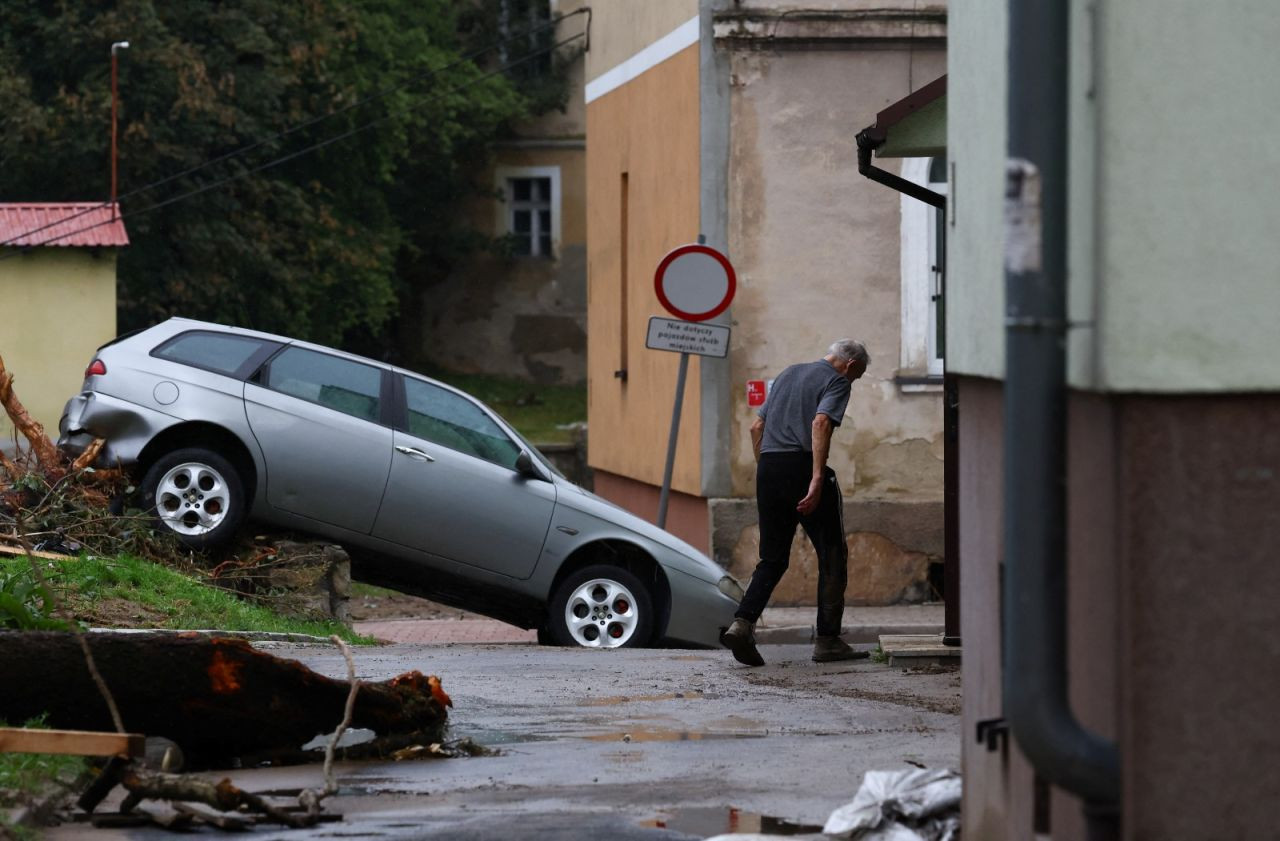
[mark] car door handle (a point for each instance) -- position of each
(414, 451)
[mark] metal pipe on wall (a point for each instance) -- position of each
(1035, 634)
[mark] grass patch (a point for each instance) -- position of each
(27, 778)
(879, 655)
(360, 589)
(30, 773)
(536, 411)
(129, 592)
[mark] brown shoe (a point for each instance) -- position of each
(740, 638)
(829, 649)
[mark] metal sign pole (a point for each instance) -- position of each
(671, 441)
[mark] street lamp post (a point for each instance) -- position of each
(115, 47)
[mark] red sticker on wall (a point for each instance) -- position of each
(755, 392)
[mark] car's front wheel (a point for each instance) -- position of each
(601, 607)
(197, 495)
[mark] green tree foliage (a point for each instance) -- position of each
(316, 246)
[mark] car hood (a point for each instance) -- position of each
(580, 499)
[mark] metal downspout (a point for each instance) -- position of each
(866, 145)
(1035, 635)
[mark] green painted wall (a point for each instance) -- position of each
(1173, 258)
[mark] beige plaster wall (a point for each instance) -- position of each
(518, 316)
(647, 129)
(523, 316)
(622, 28)
(59, 305)
(572, 120)
(817, 250)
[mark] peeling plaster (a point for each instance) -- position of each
(880, 571)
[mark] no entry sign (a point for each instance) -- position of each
(695, 282)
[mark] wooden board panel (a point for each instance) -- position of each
(18, 550)
(74, 742)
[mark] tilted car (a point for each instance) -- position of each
(429, 490)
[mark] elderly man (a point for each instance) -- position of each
(791, 437)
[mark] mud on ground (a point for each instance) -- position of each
(389, 605)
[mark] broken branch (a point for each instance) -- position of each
(31, 429)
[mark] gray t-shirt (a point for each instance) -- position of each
(798, 394)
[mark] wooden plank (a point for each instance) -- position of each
(18, 550)
(73, 742)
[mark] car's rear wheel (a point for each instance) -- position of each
(197, 495)
(601, 607)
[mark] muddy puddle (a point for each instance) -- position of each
(662, 735)
(706, 822)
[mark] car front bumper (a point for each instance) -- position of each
(699, 611)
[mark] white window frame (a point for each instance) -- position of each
(919, 280)
(504, 217)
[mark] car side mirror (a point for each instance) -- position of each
(526, 466)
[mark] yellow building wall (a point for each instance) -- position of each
(56, 307)
(646, 131)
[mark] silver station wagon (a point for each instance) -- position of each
(429, 490)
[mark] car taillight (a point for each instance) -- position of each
(96, 368)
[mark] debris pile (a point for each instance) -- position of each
(919, 805)
(53, 505)
(62, 505)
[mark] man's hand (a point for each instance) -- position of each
(810, 502)
(822, 426)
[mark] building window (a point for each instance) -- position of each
(530, 209)
(923, 264)
(526, 41)
(530, 201)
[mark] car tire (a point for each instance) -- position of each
(601, 606)
(196, 495)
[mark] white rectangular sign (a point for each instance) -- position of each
(687, 337)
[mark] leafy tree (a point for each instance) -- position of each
(321, 245)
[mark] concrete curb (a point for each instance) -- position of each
(853, 634)
(252, 636)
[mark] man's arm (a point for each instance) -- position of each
(757, 435)
(822, 426)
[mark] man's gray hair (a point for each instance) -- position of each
(851, 350)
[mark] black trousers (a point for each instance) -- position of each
(782, 480)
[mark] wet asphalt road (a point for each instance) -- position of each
(626, 744)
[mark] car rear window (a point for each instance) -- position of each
(219, 352)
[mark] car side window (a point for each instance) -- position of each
(339, 384)
(450, 420)
(220, 352)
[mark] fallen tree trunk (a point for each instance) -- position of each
(218, 698)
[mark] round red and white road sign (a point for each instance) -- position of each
(695, 282)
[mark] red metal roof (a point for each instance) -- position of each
(61, 224)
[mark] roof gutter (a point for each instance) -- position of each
(867, 143)
(874, 136)
(1035, 629)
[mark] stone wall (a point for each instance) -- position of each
(891, 546)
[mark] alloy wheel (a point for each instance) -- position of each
(192, 499)
(601, 613)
